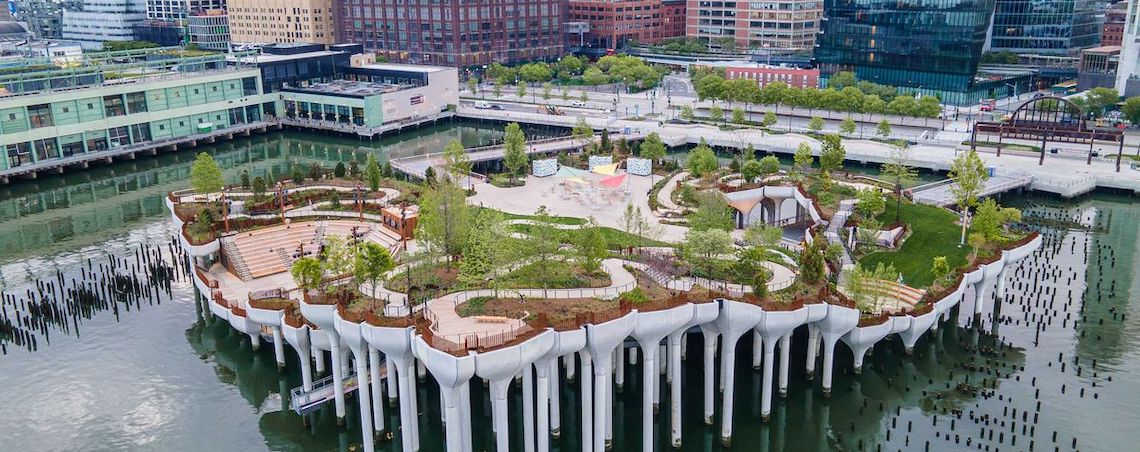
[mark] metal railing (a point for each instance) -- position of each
(304, 402)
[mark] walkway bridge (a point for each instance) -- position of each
(939, 194)
(304, 402)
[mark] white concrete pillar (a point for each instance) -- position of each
(409, 409)
(728, 371)
(757, 349)
(319, 358)
(542, 385)
(499, 415)
(278, 347)
(1001, 280)
(421, 372)
(571, 366)
(338, 378)
(620, 364)
(675, 387)
(766, 391)
(601, 384)
(451, 416)
(528, 408)
(828, 363)
(812, 349)
(555, 401)
(587, 401)
(710, 370)
(393, 385)
(609, 442)
(465, 414)
(255, 341)
(649, 376)
(662, 360)
(785, 363)
(377, 393)
(632, 356)
(363, 388)
(304, 355)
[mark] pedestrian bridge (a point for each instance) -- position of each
(939, 193)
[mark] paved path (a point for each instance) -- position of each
(665, 195)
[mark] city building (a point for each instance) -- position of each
(103, 20)
(1062, 27)
(44, 17)
(778, 25)
(209, 29)
(933, 50)
(178, 10)
(162, 32)
(1112, 32)
(1128, 71)
(170, 96)
(614, 24)
(372, 95)
(59, 53)
(764, 74)
(298, 64)
(673, 18)
(438, 33)
(1098, 67)
(281, 21)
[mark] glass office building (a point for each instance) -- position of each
(930, 47)
(1063, 27)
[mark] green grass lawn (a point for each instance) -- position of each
(559, 275)
(934, 232)
(553, 219)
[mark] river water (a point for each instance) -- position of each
(152, 375)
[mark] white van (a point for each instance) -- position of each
(482, 105)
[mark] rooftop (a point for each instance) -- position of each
(272, 58)
(350, 88)
(406, 67)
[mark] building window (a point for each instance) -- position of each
(72, 148)
(136, 102)
(96, 144)
(45, 149)
(113, 106)
(140, 132)
(19, 154)
(249, 86)
(119, 136)
(40, 115)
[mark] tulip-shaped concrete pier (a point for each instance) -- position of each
(453, 374)
(350, 334)
(735, 319)
(396, 344)
(651, 328)
(322, 315)
(601, 341)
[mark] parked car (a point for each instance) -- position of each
(482, 105)
(496, 107)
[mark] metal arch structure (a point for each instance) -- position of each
(1049, 119)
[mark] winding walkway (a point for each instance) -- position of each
(665, 195)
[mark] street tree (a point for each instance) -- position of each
(472, 82)
(687, 113)
(1131, 109)
(847, 126)
(970, 176)
(520, 89)
(738, 115)
(883, 129)
(205, 175)
(372, 172)
(716, 114)
(546, 90)
(443, 222)
(769, 120)
(815, 124)
(514, 153)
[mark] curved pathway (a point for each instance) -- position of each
(665, 195)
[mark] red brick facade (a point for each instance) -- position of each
(1112, 32)
(793, 77)
(614, 23)
(673, 18)
(454, 32)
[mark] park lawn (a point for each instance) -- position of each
(553, 219)
(934, 232)
(559, 275)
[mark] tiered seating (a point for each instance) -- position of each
(262, 250)
(900, 297)
(343, 228)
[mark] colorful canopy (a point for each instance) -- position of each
(577, 180)
(606, 170)
(614, 181)
(566, 171)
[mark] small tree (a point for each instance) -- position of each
(583, 97)
(815, 124)
(258, 187)
(353, 169)
(544, 244)
(546, 89)
(484, 247)
(763, 235)
(298, 175)
(590, 247)
(443, 224)
(990, 219)
(497, 89)
(457, 161)
(205, 175)
(472, 83)
(704, 248)
(749, 267)
(713, 212)
(339, 170)
(883, 129)
(514, 154)
(831, 154)
(245, 179)
(634, 222)
(769, 120)
(582, 132)
(520, 89)
(970, 176)
(940, 269)
(769, 165)
(802, 160)
(565, 94)
(738, 115)
(750, 171)
(811, 261)
(307, 273)
(338, 256)
(702, 161)
(653, 148)
(847, 126)
(716, 114)
(898, 169)
(372, 173)
(871, 203)
(687, 113)
(372, 263)
(429, 176)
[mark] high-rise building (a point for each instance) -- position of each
(673, 18)
(1059, 27)
(103, 20)
(1128, 69)
(177, 10)
(210, 29)
(933, 50)
(1112, 32)
(45, 17)
(270, 21)
(766, 24)
(455, 32)
(615, 23)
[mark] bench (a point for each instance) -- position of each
(492, 319)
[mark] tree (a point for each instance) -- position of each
(990, 219)
(205, 175)
(570, 65)
(514, 154)
(372, 263)
(970, 176)
(315, 172)
(1097, 101)
(847, 126)
(298, 176)
(245, 179)
(750, 171)
(337, 255)
(386, 170)
(372, 173)
(583, 97)
(258, 188)
(687, 113)
(713, 212)
(653, 148)
(590, 247)
(472, 82)
(841, 80)
(497, 89)
(702, 161)
(429, 176)
(535, 72)
(738, 115)
(634, 222)
(865, 286)
(939, 269)
(543, 245)
(802, 159)
(353, 169)
(582, 131)
(811, 261)
(704, 248)
(831, 153)
(874, 104)
(1131, 109)
(546, 88)
(604, 143)
(307, 273)
(481, 254)
(749, 267)
(899, 170)
(339, 170)
(871, 203)
(710, 87)
(716, 114)
(520, 89)
(594, 76)
(457, 162)
(883, 129)
(815, 124)
(443, 219)
(763, 235)
(769, 165)
(114, 46)
(565, 94)
(769, 120)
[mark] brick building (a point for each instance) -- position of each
(1112, 32)
(281, 21)
(613, 23)
(454, 32)
(764, 74)
(771, 24)
(673, 18)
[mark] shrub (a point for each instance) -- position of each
(635, 296)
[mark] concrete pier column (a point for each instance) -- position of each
(728, 370)
(319, 358)
(648, 390)
(812, 349)
(528, 408)
(377, 394)
(421, 372)
(393, 385)
(675, 388)
(785, 363)
(587, 401)
(766, 390)
(828, 362)
(338, 378)
(609, 442)
(278, 347)
(555, 404)
(409, 409)
(757, 349)
(255, 341)
(542, 394)
(571, 366)
(451, 416)
(619, 378)
(710, 370)
(601, 405)
(632, 356)
(662, 359)
(465, 414)
(1001, 281)
(499, 415)
(363, 388)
